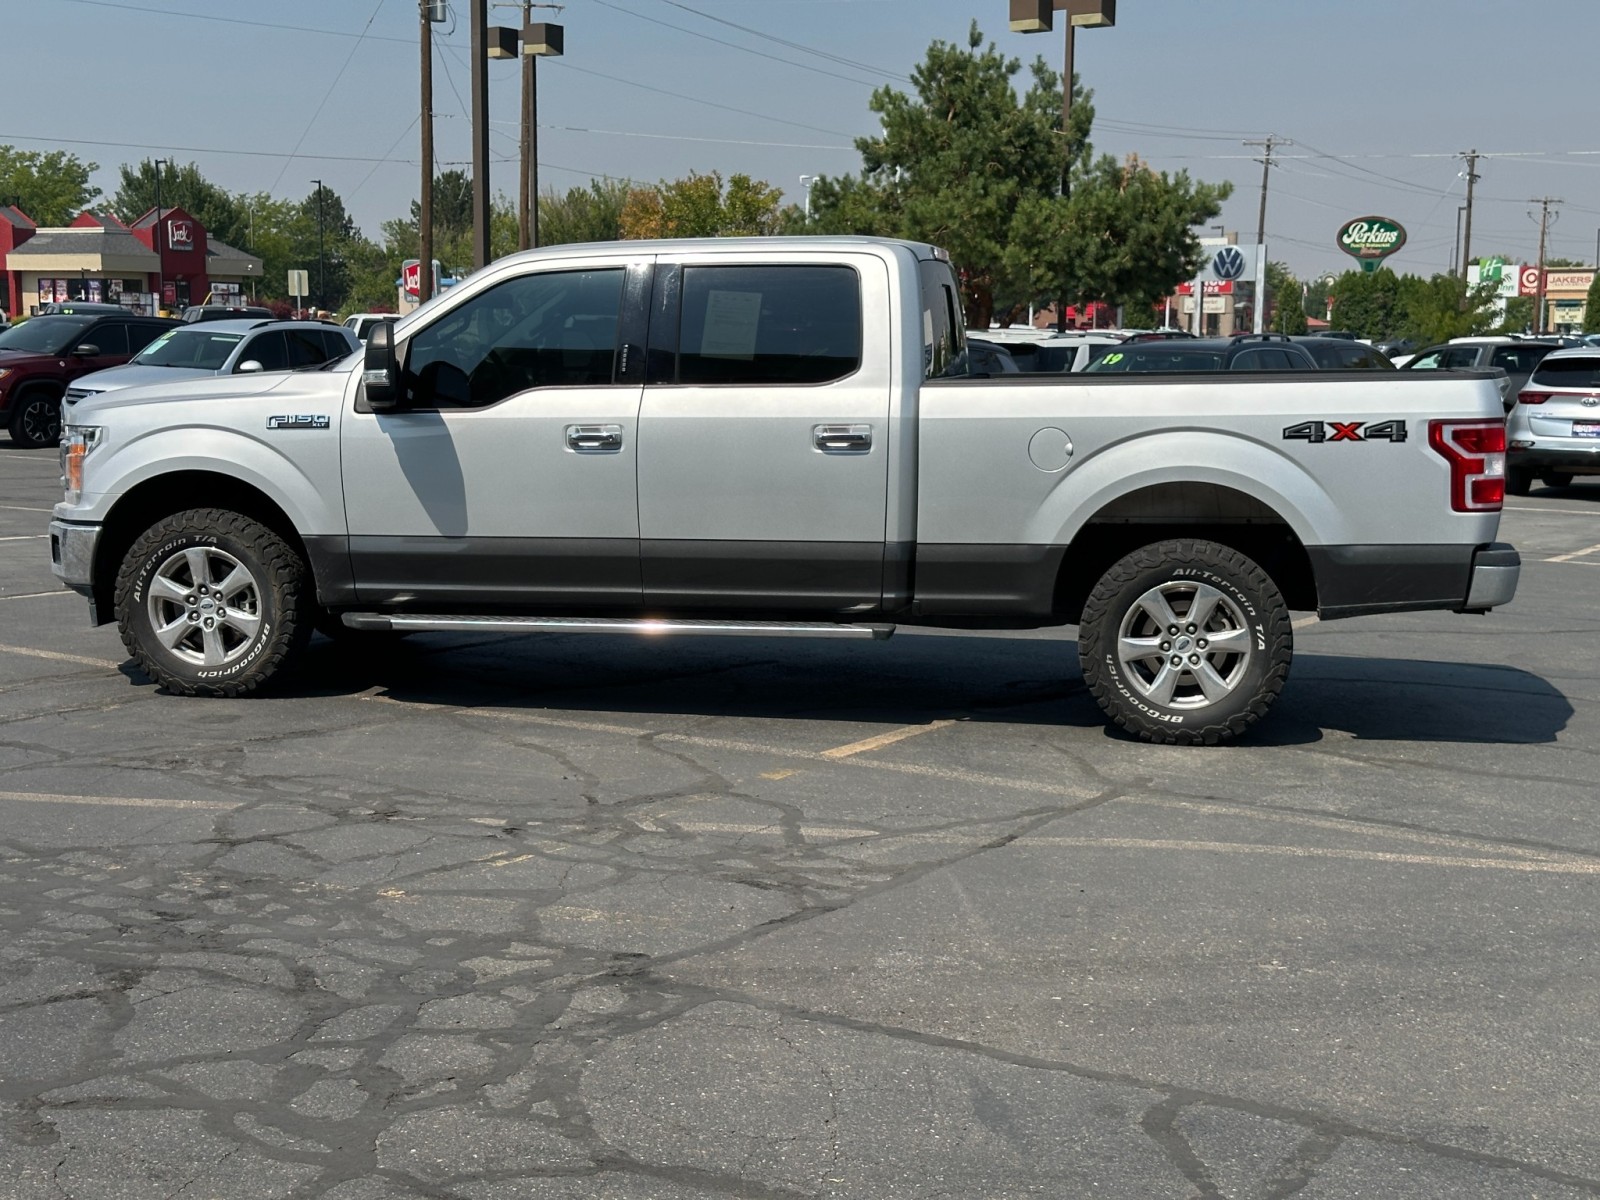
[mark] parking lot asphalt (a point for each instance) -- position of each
(500, 918)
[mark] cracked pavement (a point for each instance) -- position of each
(500, 918)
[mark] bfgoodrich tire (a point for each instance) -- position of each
(1185, 642)
(212, 603)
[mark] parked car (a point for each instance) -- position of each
(1516, 356)
(1554, 428)
(1047, 352)
(1336, 354)
(41, 356)
(223, 312)
(1394, 347)
(222, 348)
(989, 358)
(1247, 352)
(69, 308)
(360, 323)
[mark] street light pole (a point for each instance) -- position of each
(1037, 16)
(322, 279)
(161, 266)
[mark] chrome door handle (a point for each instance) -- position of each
(594, 439)
(842, 439)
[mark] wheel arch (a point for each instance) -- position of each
(162, 495)
(1159, 512)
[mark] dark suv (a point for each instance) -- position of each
(41, 356)
(1246, 352)
(222, 312)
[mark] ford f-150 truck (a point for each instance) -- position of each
(774, 436)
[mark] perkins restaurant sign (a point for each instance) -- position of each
(1371, 237)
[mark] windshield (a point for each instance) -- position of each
(194, 348)
(1156, 356)
(45, 335)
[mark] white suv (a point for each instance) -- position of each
(1554, 429)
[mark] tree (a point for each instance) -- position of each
(699, 206)
(181, 187)
(51, 187)
(1591, 310)
(1284, 296)
(964, 163)
(591, 214)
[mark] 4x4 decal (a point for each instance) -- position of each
(1346, 431)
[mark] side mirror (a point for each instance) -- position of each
(380, 374)
(85, 350)
(248, 365)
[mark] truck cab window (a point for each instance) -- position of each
(554, 329)
(769, 325)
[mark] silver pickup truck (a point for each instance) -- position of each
(773, 437)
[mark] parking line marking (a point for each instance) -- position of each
(20, 508)
(37, 595)
(1574, 554)
(851, 749)
(1571, 512)
(25, 537)
(1313, 619)
(1530, 866)
(122, 801)
(56, 656)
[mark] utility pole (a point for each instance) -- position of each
(1544, 204)
(425, 204)
(479, 12)
(1472, 157)
(528, 189)
(322, 276)
(1272, 142)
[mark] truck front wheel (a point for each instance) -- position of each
(212, 603)
(1185, 642)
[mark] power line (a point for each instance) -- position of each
(732, 45)
(306, 132)
(823, 54)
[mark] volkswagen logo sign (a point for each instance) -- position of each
(1229, 263)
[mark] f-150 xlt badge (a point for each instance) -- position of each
(302, 421)
(1346, 431)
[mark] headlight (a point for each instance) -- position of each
(76, 443)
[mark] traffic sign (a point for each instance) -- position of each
(1228, 264)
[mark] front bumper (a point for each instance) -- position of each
(72, 551)
(1354, 581)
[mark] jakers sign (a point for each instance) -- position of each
(1371, 238)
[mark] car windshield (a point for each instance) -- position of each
(193, 348)
(1583, 372)
(45, 335)
(1158, 356)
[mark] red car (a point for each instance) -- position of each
(39, 357)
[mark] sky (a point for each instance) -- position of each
(1377, 97)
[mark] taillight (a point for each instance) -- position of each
(1532, 397)
(1476, 452)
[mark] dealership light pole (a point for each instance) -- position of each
(322, 280)
(430, 11)
(478, 11)
(1038, 16)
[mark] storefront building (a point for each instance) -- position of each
(97, 258)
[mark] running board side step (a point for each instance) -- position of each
(418, 622)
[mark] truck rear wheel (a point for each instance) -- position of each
(212, 603)
(1185, 642)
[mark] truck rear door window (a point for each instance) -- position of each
(769, 325)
